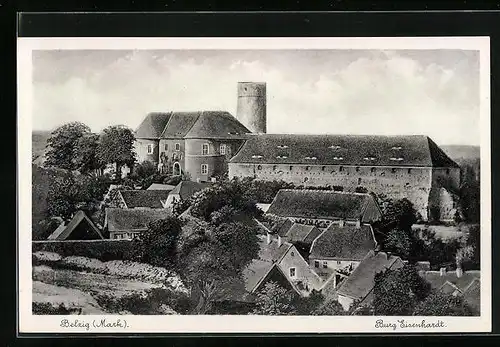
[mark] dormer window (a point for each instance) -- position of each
(369, 158)
(396, 159)
(281, 157)
(335, 147)
(311, 158)
(256, 156)
(282, 146)
(396, 148)
(233, 133)
(338, 158)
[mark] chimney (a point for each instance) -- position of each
(279, 240)
(442, 271)
(341, 223)
(358, 223)
(268, 238)
(459, 271)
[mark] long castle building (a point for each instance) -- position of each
(208, 144)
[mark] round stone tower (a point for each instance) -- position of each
(251, 111)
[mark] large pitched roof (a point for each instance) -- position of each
(281, 226)
(122, 219)
(179, 124)
(437, 280)
(185, 189)
(159, 186)
(63, 232)
(362, 280)
(144, 198)
(302, 233)
(309, 203)
(152, 126)
(217, 124)
(360, 150)
(347, 242)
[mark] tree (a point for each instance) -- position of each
(116, 146)
(62, 197)
(469, 202)
(85, 157)
(399, 242)
(399, 214)
(329, 308)
(440, 304)
(144, 170)
(62, 143)
(275, 300)
(474, 241)
(397, 292)
(158, 245)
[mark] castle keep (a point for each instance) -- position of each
(207, 144)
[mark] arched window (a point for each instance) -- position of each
(341, 168)
(409, 171)
(259, 167)
(307, 168)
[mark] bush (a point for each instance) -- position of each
(43, 229)
(45, 308)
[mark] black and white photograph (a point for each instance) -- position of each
(314, 182)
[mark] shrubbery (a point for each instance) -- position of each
(104, 250)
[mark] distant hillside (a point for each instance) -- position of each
(460, 152)
(38, 141)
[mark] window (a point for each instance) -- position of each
(325, 264)
(396, 159)
(150, 149)
(293, 272)
(372, 169)
(166, 147)
(307, 168)
(338, 158)
(291, 167)
(339, 262)
(396, 148)
(341, 168)
(323, 168)
(222, 149)
(282, 146)
(334, 147)
(204, 169)
(259, 167)
(177, 146)
(359, 181)
(447, 171)
(204, 149)
(281, 157)
(393, 170)
(316, 263)
(274, 167)
(292, 254)
(409, 171)
(310, 158)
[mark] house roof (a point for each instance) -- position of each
(281, 227)
(144, 198)
(62, 233)
(185, 189)
(472, 294)
(437, 280)
(302, 233)
(159, 186)
(123, 219)
(179, 124)
(360, 150)
(347, 242)
(152, 126)
(217, 124)
(361, 281)
(255, 272)
(308, 203)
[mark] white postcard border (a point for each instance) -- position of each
(28, 323)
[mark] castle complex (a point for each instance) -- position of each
(208, 144)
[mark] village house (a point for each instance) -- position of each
(183, 191)
(322, 207)
(128, 223)
(340, 249)
(280, 261)
(301, 235)
(466, 284)
(139, 198)
(80, 227)
(358, 287)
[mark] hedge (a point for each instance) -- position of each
(103, 250)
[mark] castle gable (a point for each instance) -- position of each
(217, 124)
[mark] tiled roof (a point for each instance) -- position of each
(472, 295)
(362, 280)
(437, 280)
(123, 219)
(217, 124)
(179, 124)
(308, 203)
(62, 233)
(302, 233)
(255, 272)
(185, 189)
(272, 252)
(347, 242)
(144, 198)
(282, 226)
(152, 126)
(359, 150)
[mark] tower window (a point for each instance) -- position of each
(341, 168)
(204, 169)
(323, 168)
(372, 169)
(166, 147)
(222, 149)
(177, 146)
(393, 170)
(307, 168)
(409, 171)
(291, 167)
(359, 181)
(204, 149)
(150, 149)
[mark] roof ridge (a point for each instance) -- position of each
(168, 122)
(326, 191)
(200, 113)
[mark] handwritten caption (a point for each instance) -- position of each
(408, 324)
(94, 324)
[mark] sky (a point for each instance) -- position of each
(402, 92)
